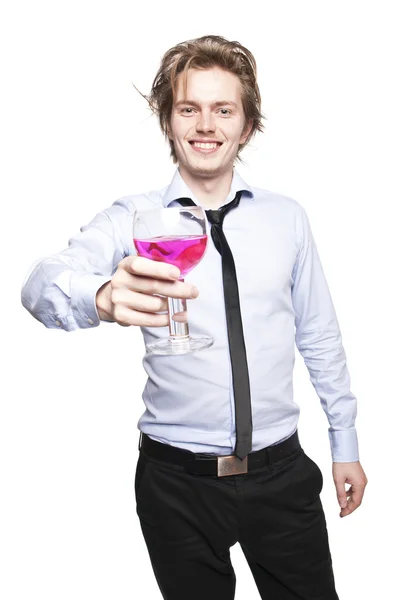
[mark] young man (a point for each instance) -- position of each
(220, 459)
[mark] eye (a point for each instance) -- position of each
(187, 110)
(225, 112)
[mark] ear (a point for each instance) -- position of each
(247, 130)
(168, 131)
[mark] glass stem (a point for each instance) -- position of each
(179, 325)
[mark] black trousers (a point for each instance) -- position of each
(190, 521)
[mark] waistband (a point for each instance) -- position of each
(206, 464)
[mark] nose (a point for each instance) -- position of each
(205, 122)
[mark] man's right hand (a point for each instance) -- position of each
(129, 298)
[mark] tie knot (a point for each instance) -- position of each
(216, 217)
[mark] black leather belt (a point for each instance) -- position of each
(207, 464)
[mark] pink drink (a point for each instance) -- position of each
(183, 251)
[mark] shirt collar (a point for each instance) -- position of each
(179, 189)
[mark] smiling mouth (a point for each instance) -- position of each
(205, 147)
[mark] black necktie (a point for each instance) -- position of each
(239, 364)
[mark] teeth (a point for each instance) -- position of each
(206, 146)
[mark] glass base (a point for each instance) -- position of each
(180, 345)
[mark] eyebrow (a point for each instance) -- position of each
(214, 105)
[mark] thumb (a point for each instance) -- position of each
(341, 495)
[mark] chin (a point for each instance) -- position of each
(206, 171)
(202, 169)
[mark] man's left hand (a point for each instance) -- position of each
(352, 473)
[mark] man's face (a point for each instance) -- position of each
(208, 124)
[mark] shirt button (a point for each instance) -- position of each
(90, 321)
(58, 323)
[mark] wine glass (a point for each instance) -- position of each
(177, 236)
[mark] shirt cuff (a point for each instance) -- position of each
(344, 445)
(84, 287)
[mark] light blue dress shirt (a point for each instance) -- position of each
(284, 299)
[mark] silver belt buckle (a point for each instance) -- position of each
(231, 465)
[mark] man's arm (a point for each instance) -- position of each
(60, 290)
(318, 339)
(96, 279)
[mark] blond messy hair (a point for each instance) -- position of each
(205, 53)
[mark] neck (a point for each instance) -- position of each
(210, 191)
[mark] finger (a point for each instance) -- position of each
(355, 500)
(349, 491)
(137, 265)
(174, 289)
(345, 512)
(181, 317)
(348, 509)
(341, 494)
(138, 301)
(357, 495)
(125, 317)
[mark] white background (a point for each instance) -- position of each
(75, 136)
